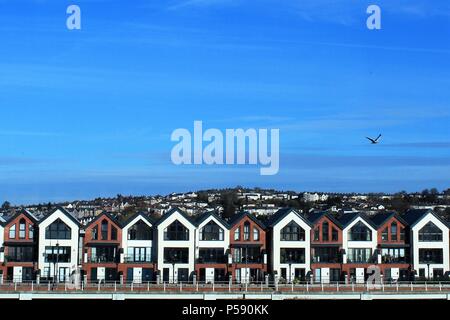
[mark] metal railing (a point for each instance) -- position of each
(226, 287)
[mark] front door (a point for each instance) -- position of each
(137, 275)
(209, 275)
(359, 275)
(183, 274)
(147, 274)
(245, 275)
(17, 274)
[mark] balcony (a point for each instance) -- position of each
(130, 258)
(326, 259)
(102, 259)
(213, 260)
(24, 258)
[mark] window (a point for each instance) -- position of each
(385, 235)
(113, 233)
(360, 232)
(12, 232)
(211, 232)
(58, 230)
(325, 231)
(246, 231)
(430, 232)
(103, 254)
(247, 255)
(95, 233)
(359, 255)
(430, 256)
(176, 255)
(55, 254)
(394, 231)
(211, 255)
(316, 234)
(326, 255)
(334, 234)
(104, 227)
(402, 234)
(140, 231)
(237, 234)
(292, 232)
(139, 254)
(22, 229)
(176, 231)
(393, 255)
(255, 234)
(19, 254)
(292, 255)
(30, 231)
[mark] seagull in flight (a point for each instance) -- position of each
(374, 141)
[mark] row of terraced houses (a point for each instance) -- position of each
(288, 246)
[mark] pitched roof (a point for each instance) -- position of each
(65, 212)
(241, 215)
(413, 216)
(27, 213)
(281, 214)
(172, 211)
(138, 214)
(202, 217)
(103, 214)
(381, 218)
(347, 218)
(314, 217)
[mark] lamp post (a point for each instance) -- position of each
(55, 265)
(174, 258)
(428, 263)
(290, 266)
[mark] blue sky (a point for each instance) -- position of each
(89, 113)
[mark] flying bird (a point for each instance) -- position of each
(374, 141)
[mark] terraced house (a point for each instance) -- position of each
(286, 247)
(212, 248)
(326, 248)
(101, 248)
(290, 239)
(248, 248)
(19, 254)
(59, 246)
(137, 260)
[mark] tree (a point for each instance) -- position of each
(228, 203)
(6, 205)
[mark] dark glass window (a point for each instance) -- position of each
(104, 226)
(22, 229)
(20, 254)
(292, 255)
(325, 231)
(334, 234)
(211, 255)
(430, 232)
(113, 233)
(176, 255)
(95, 233)
(176, 231)
(140, 231)
(316, 234)
(58, 230)
(360, 232)
(394, 230)
(55, 254)
(431, 256)
(292, 232)
(246, 231)
(385, 234)
(211, 232)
